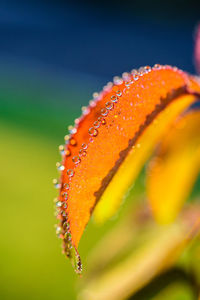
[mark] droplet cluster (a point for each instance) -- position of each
(123, 85)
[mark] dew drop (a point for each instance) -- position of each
(58, 216)
(119, 93)
(66, 225)
(95, 95)
(114, 98)
(84, 146)
(82, 152)
(135, 77)
(127, 84)
(70, 172)
(92, 103)
(67, 152)
(125, 75)
(67, 236)
(72, 142)
(102, 120)
(56, 184)
(96, 124)
(72, 129)
(57, 213)
(58, 204)
(61, 236)
(58, 230)
(65, 205)
(108, 86)
(64, 214)
(66, 186)
(66, 138)
(157, 66)
(141, 70)
(147, 69)
(109, 105)
(76, 159)
(104, 111)
(117, 80)
(61, 149)
(126, 91)
(84, 108)
(59, 166)
(92, 131)
(64, 195)
(134, 72)
(77, 121)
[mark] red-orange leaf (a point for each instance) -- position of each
(103, 137)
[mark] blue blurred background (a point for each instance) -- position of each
(53, 56)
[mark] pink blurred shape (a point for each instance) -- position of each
(197, 49)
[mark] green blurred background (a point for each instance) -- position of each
(34, 117)
(54, 55)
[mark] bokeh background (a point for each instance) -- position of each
(53, 56)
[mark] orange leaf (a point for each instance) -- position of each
(104, 136)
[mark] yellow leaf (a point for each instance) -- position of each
(173, 171)
(128, 171)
